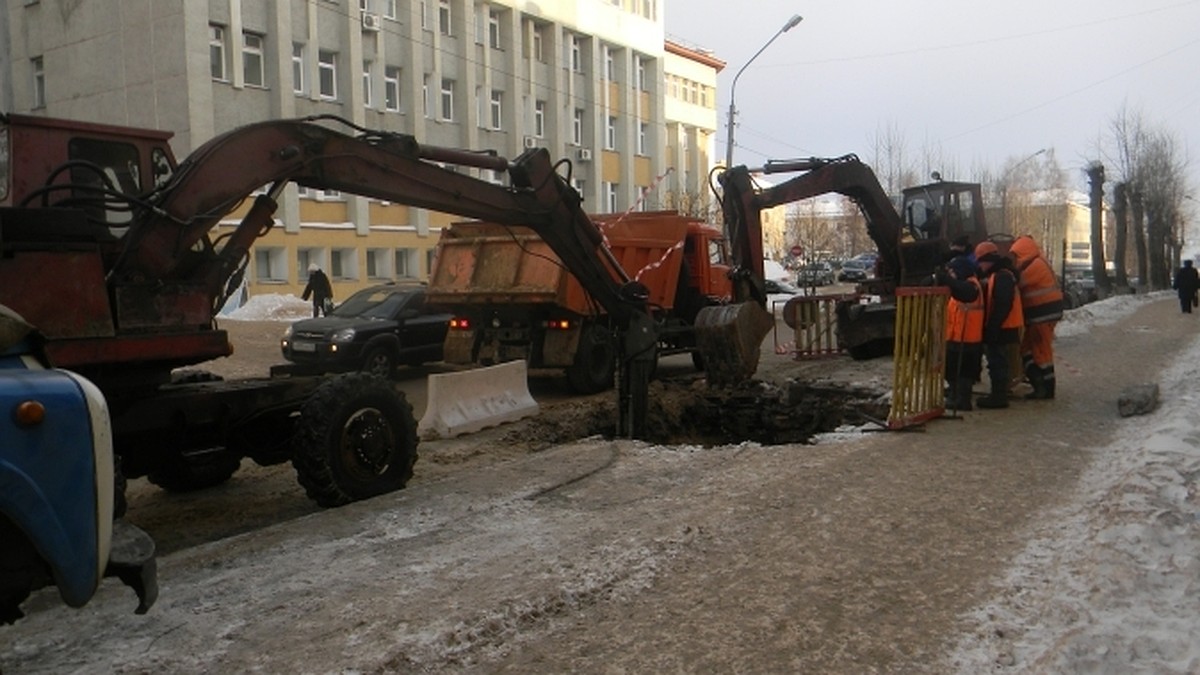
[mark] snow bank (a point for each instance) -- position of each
(272, 307)
(1104, 312)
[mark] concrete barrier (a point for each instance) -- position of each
(460, 403)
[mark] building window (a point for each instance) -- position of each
(643, 130)
(444, 16)
(327, 65)
(447, 100)
(539, 118)
(216, 51)
(577, 127)
(424, 15)
(610, 196)
(575, 58)
(310, 256)
(39, 82)
(538, 54)
(391, 88)
(493, 29)
(297, 67)
(497, 109)
(610, 133)
(641, 74)
(344, 264)
(270, 264)
(368, 93)
(406, 263)
(389, 8)
(610, 65)
(425, 107)
(252, 60)
(378, 262)
(579, 184)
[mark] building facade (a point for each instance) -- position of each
(585, 79)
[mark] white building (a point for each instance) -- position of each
(585, 79)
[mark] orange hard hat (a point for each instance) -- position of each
(985, 248)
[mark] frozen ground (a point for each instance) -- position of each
(1110, 582)
(1047, 538)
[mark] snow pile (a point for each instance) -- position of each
(1104, 312)
(272, 307)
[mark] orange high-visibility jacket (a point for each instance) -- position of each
(964, 320)
(1015, 317)
(1041, 296)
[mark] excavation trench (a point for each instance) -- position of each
(683, 413)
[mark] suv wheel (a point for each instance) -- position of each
(379, 361)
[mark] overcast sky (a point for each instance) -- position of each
(982, 82)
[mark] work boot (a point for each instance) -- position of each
(962, 394)
(1038, 382)
(997, 399)
(1043, 387)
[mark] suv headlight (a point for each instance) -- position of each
(344, 335)
(287, 334)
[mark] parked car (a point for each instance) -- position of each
(374, 330)
(854, 270)
(780, 287)
(815, 274)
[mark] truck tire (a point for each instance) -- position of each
(595, 362)
(356, 438)
(190, 472)
(379, 360)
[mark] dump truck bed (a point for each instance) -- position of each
(480, 263)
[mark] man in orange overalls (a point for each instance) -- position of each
(1002, 319)
(1042, 304)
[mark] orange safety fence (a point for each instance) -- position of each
(813, 320)
(919, 357)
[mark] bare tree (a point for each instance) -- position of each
(1095, 174)
(889, 158)
(1120, 207)
(1151, 165)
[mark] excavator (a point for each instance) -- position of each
(110, 266)
(912, 243)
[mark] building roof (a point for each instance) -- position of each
(696, 54)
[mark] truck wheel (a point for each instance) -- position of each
(379, 360)
(356, 438)
(595, 362)
(190, 472)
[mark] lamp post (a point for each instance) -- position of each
(1004, 189)
(791, 23)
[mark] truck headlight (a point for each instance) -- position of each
(344, 335)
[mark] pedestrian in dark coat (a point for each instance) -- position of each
(320, 289)
(1003, 319)
(1187, 282)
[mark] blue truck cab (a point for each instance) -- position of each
(57, 515)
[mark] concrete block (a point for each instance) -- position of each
(465, 402)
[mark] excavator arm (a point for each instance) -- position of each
(167, 248)
(218, 176)
(743, 203)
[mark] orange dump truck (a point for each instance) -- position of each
(513, 299)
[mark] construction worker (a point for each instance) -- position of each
(1002, 319)
(964, 330)
(1042, 304)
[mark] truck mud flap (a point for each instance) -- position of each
(464, 402)
(729, 338)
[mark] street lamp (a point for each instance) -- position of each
(791, 23)
(1004, 189)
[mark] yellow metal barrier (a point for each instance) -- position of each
(813, 320)
(919, 357)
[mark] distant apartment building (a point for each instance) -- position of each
(586, 79)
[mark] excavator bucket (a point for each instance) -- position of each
(729, 338)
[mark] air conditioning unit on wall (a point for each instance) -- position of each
(585, 155)
(370, 22)
(530, 142)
